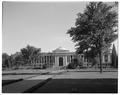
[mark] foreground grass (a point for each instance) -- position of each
(79, 86)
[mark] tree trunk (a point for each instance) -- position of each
(100, 58)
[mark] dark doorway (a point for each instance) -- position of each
(60, 61)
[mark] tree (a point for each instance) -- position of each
(18, 59)
(5, 62)
(95, 29)
(114, 57)
(30, 53)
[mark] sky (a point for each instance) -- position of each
(39, 24)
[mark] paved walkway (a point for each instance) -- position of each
(25, 76)
(87, 75)
(40, 71)
(15, 77)
(94, 70)
(23, 71)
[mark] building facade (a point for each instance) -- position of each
(61, 57)
(106, 59)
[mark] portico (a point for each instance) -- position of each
(62, 57)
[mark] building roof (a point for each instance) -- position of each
(60, 50)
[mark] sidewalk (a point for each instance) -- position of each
(87, 75)
(28, 72)
(50, 71)
(93, 70)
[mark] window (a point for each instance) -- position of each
(45, 59)
(106, 57)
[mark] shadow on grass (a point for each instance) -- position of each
(79, 86)
(6, 82)
(72, 86)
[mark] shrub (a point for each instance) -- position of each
(73, 64)
(44, 66)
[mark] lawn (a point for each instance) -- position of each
(79, 86)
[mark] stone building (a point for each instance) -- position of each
(106, 59)
(57, 58)
(61, 57)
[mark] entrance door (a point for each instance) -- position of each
(60, 61)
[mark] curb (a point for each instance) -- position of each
(30, 90)
(12, 81)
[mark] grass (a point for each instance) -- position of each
(79, 86)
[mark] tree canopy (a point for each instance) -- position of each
(25, 56)
(30, 53)
(95, 28)
(5, 58)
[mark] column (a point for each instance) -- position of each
(66, 63)
(55, 61)
(49, 59)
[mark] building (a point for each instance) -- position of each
(106, 59)
(57, 58)
(61, 57)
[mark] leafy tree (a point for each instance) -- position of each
(95, 29)
(18, 59)
(5, 61)
(11, 60)
(30, 53)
